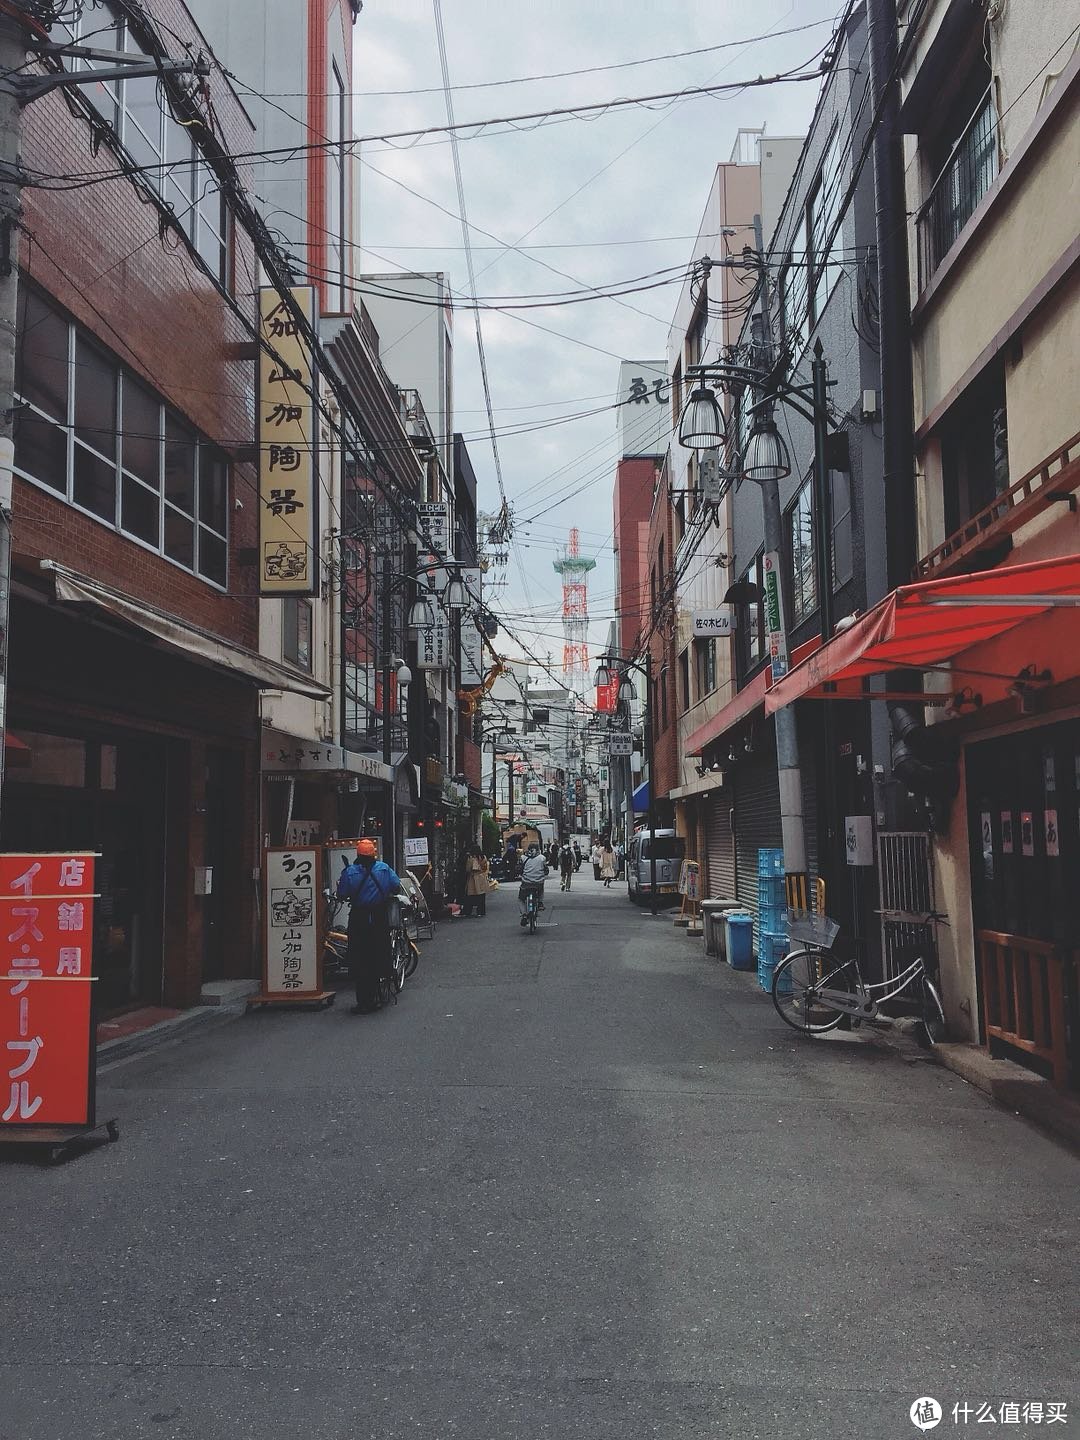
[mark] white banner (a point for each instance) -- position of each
(291, 931)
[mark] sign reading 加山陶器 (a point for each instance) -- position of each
(287, 432)
(291, 934)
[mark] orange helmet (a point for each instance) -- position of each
(367, 848)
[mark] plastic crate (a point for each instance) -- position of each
(770, 862)
(771, 950)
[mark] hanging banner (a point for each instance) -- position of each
(287, 433)
(291, 922)
(1006, 832)
(607, 697)
(774, 616)
(46, 1006)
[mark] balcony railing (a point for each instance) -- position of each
(970, 171)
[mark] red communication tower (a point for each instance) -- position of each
(574, 569)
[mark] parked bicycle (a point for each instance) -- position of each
(813, 989)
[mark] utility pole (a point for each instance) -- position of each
(12, 57)
(789, 774)
(386, 622)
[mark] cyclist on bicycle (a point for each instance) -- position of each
(533, 874)
(368, 884)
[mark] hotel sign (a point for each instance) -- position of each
(287, 432)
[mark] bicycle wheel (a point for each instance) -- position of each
(793, 990)
(412, 957)
(397, 972)
(932, 1028)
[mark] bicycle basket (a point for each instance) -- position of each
(393, 912)
(809, 928)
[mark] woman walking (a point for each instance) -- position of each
(476, 881)
(607, 864)
(595, 855)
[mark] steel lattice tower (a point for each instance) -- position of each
(574, 569)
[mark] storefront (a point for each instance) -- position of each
(143, 749)
(999, 762)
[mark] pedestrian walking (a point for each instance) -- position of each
(620, 860)
(566, 865)
(369, 885)
(607, 864)
(477, 882)
(577, 856)
(594, 859)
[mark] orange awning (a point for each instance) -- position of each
(929, 624)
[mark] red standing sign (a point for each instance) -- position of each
(46, 974)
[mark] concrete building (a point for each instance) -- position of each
(991, 108)
(709, 316)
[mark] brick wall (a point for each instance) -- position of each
(97, 251)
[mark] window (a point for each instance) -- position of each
(842, 556)
(751, 626)
(102, 439)
(799, 531)
(975, 448)
(822, 217)
(684, 680)
(296, 631)
(706, 667)
(793, 316)
(695, 336)
(336, 131)
(137, 109)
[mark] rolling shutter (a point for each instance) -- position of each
(719, 846)
(757, 822)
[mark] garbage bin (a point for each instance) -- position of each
(740, 939)
(712, 915)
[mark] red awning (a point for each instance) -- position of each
(928, 624)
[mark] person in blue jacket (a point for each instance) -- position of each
(369, 885)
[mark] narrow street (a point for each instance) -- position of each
(576, 1184)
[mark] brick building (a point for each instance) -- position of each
(134, 669)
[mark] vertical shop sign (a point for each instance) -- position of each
(46, 1002)
(774, 617)
(986, 828)
(1053, 842)
(291, 930)
(1027, 833)
(287, 433)
(1006, 832)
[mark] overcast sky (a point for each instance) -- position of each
(564, 194)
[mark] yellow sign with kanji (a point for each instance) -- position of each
(287, 430)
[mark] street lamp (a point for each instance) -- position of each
(421, 613)
(701, 426)
(622, 670)
(766, 455)
(456, 595)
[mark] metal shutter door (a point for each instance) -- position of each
(757, 822)
(719, 847)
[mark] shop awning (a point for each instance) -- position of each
(640, 799)
(198, 645)
(929, 624)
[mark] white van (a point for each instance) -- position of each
(670, 852)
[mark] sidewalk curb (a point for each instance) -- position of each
(165, 1032)
(1004, 1082)
(1016, 1089)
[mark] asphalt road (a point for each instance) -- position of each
(577, 1184)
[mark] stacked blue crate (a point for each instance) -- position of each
(772, 915)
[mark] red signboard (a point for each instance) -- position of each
(47, 928)
(607, 696)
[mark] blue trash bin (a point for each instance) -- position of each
(740, 941)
